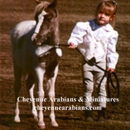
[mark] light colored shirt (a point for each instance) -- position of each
(96, 41)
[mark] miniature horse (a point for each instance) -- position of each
(35, 55)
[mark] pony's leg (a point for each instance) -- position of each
(39, 83)
(51, 94)
(30, 87)
(17, 86)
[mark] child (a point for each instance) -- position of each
(96, 38)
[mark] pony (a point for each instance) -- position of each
(35, 56)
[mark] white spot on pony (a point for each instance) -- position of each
(40, 21)
(26, 27)
(42, 49)
(59, 52)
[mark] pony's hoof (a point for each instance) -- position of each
(41, 125)
(54, 123)
(16, 119)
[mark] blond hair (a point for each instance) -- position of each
(110, 5)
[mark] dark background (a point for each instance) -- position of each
(69, 80)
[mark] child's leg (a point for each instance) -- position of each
(88, 84)
(101, 91)
(101, 88)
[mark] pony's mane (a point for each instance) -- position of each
(39, 8)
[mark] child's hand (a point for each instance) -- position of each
(111, 70)
(72, 46)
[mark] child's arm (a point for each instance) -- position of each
(112, 55)
(77, 34)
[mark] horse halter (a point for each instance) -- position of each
(49, 30)
(45, 37)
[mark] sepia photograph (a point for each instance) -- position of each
(65, 65)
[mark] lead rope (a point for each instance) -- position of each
(111, 84)
(109, 78)
(107, 74)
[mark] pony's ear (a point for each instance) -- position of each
(53, 4)
(37, 1)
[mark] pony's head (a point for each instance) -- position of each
(47, 23)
